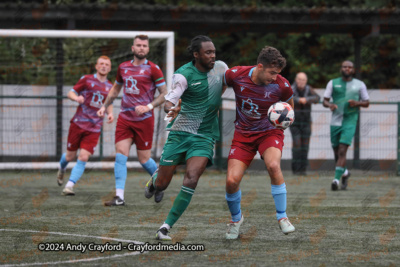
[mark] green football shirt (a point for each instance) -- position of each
(341, 92)
(201, 98)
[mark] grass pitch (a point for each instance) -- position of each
(359, 226)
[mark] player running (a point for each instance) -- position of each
(85, 127)
(256, 89)
(346, 93)
(199, 86)
(140, 78)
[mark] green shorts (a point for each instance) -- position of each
(342, 134)
(181, 146)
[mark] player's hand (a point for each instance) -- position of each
(332, 107)
(141, 109)
(352, 103)
(101, 112)
(80, 99)
(302, 100)
(110, 118)
(174, 111)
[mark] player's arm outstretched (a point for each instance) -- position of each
(114, 92)
(155, 103)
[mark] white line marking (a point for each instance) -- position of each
(74, 261)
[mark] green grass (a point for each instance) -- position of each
(359, 226)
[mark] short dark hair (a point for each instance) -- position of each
(141, 37)
(195, 44)
(271, 57)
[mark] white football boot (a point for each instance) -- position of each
(233, 229)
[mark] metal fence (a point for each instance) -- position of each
(29, 131)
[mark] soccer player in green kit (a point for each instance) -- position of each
(348, 95)
(193, 127)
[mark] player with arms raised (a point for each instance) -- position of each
(140, 78)
(256, 89)
(85, 128)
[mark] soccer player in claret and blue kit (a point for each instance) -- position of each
(140, 79)
(256, 89)
(85, 128)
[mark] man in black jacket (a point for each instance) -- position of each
(303, 96)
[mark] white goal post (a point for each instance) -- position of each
(168, 36)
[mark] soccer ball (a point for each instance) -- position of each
(281, 115)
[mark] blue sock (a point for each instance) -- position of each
(279, 195)
(77, 171)
(120, 170)
(234, 205)
(63, 161)
(150, 166)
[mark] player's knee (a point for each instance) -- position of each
(232, 184)
(69, 157)
(143, 160)
(84, 158)
(273, 167)
(342, 153)
(191, 179)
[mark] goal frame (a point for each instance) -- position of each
(169, 36)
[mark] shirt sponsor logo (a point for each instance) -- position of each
(250, 109)
(130, 86)
(338, 85)
(193, 84)
(97, 100)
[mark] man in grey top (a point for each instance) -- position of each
(303, 96)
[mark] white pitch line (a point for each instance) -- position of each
(74, 261)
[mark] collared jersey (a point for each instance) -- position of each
(140, 84)
(341, 92)
(253, 100)
(94, 92)
(201, 98)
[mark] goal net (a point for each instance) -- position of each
(39, 67)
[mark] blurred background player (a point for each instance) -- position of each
(303, 96)
(256, 89)
(85, 128)
(198, 87)
(346, 93)
(140, 78)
